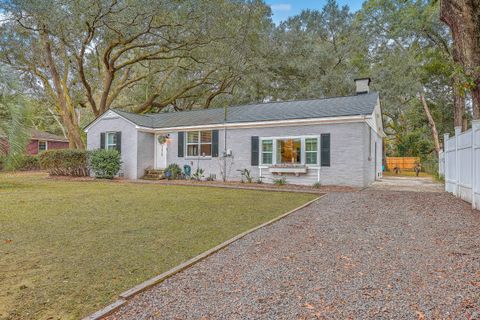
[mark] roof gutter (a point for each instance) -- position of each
(257, 124)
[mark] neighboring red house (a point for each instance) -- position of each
(40, 141)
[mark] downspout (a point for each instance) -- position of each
(224, 177)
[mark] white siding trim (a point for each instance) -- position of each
(107, 115)
(262, 124)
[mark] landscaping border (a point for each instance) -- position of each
(127, 295)
(251, 186)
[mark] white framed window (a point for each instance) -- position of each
(289, 151)
(311, 151)
(199, 143)
(42, 145)
(111, 140)
(267, 152)
(303, 150)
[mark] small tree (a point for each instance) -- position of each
(105, 163)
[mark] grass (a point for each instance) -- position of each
(68, 248)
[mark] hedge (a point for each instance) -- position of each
(20, 162)
(28, 163)
(65, 162)
(105, 163)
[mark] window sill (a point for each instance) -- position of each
(308, 166)
(297, 170)
(199, 158)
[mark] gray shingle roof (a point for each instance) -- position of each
(362, 104)
(42, 135)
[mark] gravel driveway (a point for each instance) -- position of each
(370, 254)
(418, 184)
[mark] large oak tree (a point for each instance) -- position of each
(139, 55)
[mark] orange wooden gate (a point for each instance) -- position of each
(403, 163)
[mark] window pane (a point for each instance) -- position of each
(289, 151)
(311, 144)
(192, 150)
(267, 158)
(42, 146)
(111, 138)
(311, 157)
(267, 145)
(192, 137)
(206, 136)
(206, 150)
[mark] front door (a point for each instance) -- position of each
(161, 155)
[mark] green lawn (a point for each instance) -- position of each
(67, 248)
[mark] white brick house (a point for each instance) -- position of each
(334, 141)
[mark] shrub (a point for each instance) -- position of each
(105, 163)
(199, 174)
(22, 162)
(317, 185)
(28, 163)
(280, 181)
(173, 171)
(64, 162)
(246, 174)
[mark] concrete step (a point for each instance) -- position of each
(153, 177)
(154, 171)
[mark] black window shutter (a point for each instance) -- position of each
(255, 151)
(214, 143)
(119, 141)
(102, 140)
(181, 141)
(325, 149)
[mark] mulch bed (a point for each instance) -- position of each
(362, 255)
(220, 184)
(258, 186)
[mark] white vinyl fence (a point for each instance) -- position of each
(459, 163)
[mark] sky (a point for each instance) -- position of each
(282, 9)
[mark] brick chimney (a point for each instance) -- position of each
(362, 85)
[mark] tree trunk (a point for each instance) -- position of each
(476, 100)
(458, 103)
(458, 93)
(67, 111)
(463, 18)
(60, 124)
(431, 121)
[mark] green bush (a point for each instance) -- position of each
(29, 163)
(65, 162)
(199, 174)
(105, 164)
(280, 181)
(21, 162)
(246, 174)
(173, 171)
(317, 185)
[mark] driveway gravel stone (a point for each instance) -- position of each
(354, 255)
(418, 184)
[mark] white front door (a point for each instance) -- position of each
(160, 154)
